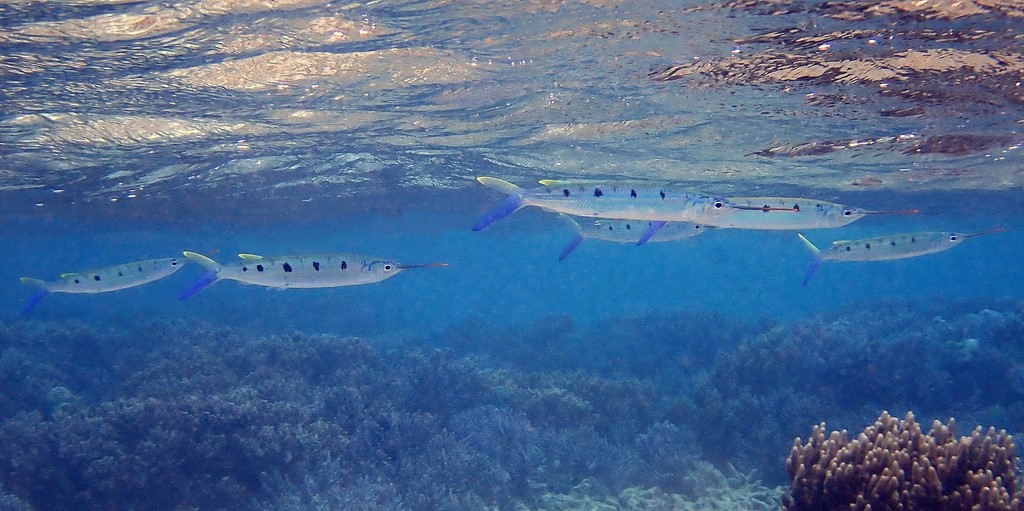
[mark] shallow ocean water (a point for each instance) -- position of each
(136, 130)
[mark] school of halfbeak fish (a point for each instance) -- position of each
(616, 213)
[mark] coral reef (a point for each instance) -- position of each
(212, 418)
(961, 359)
(170, 416)
(893, 465)
(719, 492)
(745, 389)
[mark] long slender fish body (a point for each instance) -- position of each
(885, 248)
(297, 271)
(606, 201)
(807, 214)
(626, 231)
(104, 280)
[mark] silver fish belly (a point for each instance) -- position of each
(627, 231)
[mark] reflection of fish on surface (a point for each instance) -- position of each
(886, 248)
(104, 280)
(298, 271)
(658, 205)
(807, 214)
(625, 231)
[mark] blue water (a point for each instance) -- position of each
(509, 272)
(665, 375)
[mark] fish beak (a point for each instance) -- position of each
(892, 212)
(429, 265)
(982, 233)
(766, 208)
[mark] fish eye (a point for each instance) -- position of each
(952, 237)
(174, 262)
(719, 204)
(847, 211)
(387, 267)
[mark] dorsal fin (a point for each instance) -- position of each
(840, 242)
(66, 275)
(250, 257)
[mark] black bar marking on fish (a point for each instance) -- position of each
(316, 266)
(287, 267)
(96, 277)
(259, 267)
(344, 265)
(632, 193)
(598, 192)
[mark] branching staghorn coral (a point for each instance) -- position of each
(892, 465)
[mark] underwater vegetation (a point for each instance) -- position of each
(894, 465)
(745, 390)
(657, 410)
(176, 417)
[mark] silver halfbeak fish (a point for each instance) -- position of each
(104, 280)
(298, 271)
(885, 248)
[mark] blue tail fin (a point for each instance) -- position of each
(510, 205)
(653, 228)
(811, 269)
(197, 286)
(34, 300)
(571, 246)
(815, 262)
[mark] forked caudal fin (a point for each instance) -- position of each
(814, 263)
(203, 261)
(500, 185)
(571, 246)
(510, 205)
(211, 276)
(576, 240)
(39, 294)
(208, 278)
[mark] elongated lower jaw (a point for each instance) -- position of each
(894, 212)
(428, 265)
(766, 208)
